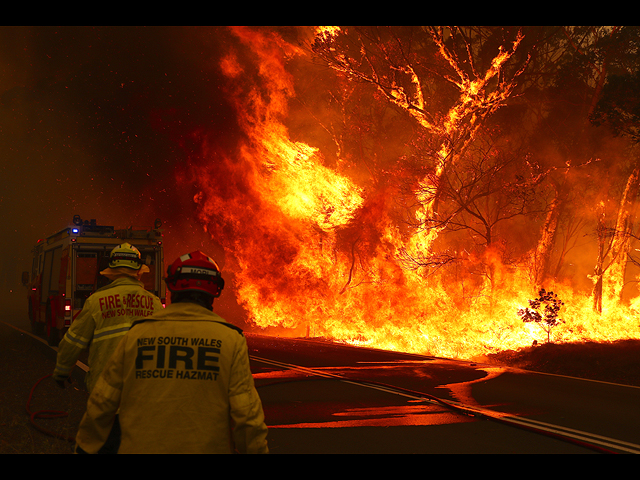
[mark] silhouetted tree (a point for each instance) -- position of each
(544, 311)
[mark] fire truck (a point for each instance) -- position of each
(66, 270)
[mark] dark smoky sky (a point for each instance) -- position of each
(101, 122)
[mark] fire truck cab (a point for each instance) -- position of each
(66, 270)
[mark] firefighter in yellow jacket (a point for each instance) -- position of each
(107, 315)
(180, 380)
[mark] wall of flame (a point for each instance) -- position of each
(314, 253)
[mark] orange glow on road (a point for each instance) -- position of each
(392, 416)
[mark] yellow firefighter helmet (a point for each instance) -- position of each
(125, 255)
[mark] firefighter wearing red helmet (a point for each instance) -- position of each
(195, 272)
(180, 380)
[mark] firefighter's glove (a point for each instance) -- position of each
(61, 381)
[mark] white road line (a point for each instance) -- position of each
(586, 437)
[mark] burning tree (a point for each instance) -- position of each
(543, 311)
(618, 107)
(450, 81)
(435, 125)
(582, 71)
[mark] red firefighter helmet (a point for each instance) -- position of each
(195, 272)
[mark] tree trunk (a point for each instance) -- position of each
(614, 280)
(604, 247)
(545, 244)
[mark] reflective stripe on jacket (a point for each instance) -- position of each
(106, 316)
(180, 382)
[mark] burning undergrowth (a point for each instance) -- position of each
(358, 244)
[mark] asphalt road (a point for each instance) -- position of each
(324, 398)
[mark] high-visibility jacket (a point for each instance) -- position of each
(106, 316)
(180, 382)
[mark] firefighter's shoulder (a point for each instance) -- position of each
(231, 326)
(153, 319)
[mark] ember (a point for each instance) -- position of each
(430, 241)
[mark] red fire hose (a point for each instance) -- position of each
(46, 414)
